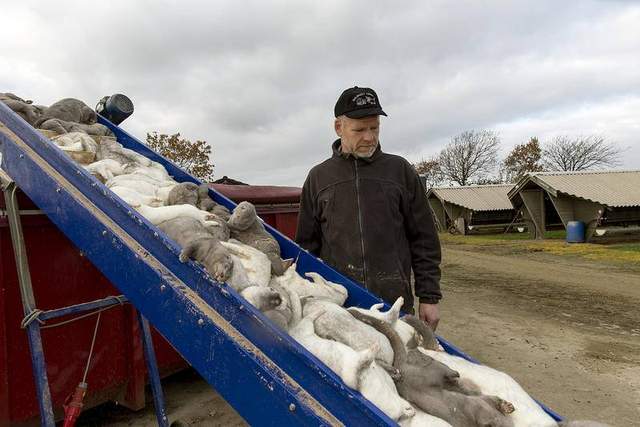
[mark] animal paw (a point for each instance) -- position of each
(274, 299)
(222, 271)
(408, 412)
(504, 407)
(395, 375)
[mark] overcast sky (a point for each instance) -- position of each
(258, 80)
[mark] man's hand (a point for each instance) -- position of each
(430, 313)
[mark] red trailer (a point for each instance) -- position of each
(62, 276)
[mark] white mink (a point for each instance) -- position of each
(377, 386)
(134, 198)
(156, 215)
(256, 264)
(141, 186)
(262, 298)
(289, 312)
(105, 169)
(140, 177)
(347, 363)
(239, 278)
(392, 317)
(338, 324)
(319, 287)
(422, 419)
(109, 148)
(162, 193)
(155, 171)
(493, 382)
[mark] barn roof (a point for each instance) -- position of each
(610, 188)
(475, 197)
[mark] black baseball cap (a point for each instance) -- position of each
(358, 102)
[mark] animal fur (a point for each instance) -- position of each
(136, 199)
(24, 108)
(62, 127)
(76, 141)
(318, 288)
(585, 423)
(437, 390)
(422, 419)
(255, 263)
(219, 230)
(206, 203)
(248, 229)
(289, 312)
(154, 170)
(377, 386)
(185, 193)
(262, 298)
(156, 215)
(105, 169)
(407, 333)
(197, 244)
(338, 325)
(109, 148)
(347, 363)
(69, 110)
(492, 382)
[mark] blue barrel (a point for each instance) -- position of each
(575, 232)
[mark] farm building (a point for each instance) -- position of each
(472, 208)
(607, 202)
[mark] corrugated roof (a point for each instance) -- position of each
(476, 197)
(610, 188)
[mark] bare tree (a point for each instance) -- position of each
(194, 157)
(470, 156)
(522, 159)
(580, 153)
(430, 170)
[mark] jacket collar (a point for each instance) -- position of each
(337, 152)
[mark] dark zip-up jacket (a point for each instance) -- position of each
(369, 219)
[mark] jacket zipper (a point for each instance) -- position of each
(364, 262)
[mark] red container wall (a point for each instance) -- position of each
(61, 276)
(277, 206)
(284, 220)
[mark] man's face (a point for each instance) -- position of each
(359, 136)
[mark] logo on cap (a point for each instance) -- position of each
(364, 98)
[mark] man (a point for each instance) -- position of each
(365, 212)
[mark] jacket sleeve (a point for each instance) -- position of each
(308, 231)
(423, 239)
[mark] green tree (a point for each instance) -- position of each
(193, 157)
(522, 159)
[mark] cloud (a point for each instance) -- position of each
(258, 80)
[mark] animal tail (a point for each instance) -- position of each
(296, 306)
(233, 246)
(377, 307)
(426, 334)
(393, 314)
(399, 351)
